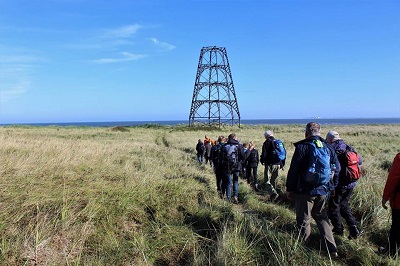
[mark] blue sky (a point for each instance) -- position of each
(89, 61)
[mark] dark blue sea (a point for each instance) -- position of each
(322, 121)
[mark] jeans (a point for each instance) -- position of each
(232, 177)
(200, 158)
(308, 206)
(339, 208)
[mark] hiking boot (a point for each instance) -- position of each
(256, 188)
(273, 197)
(383, 250)
(354, 232)
(235, 200)
(337, 231)
(388, 251)
(334, 254)
(221, 195)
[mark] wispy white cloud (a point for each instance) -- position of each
(163, 45)
(18, 65)
(124, 57)
(122, 32)
(113, 43)
(14, 89)
(106, 38)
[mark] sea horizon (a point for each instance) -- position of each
(275, 121)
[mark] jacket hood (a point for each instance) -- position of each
(233, 141)
(310, 139)
(339, 145)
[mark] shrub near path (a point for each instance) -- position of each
(137, 196)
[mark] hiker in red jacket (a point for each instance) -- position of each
(391, 193)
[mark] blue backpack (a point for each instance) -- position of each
(319, 171)
(279, 150)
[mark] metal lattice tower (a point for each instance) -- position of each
(214, 99)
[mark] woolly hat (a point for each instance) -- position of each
(333, 135)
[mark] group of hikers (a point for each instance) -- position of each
(322, 176)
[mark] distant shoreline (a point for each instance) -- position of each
(324, 121)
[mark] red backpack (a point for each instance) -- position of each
(349, 164)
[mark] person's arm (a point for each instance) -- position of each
(384, 204)
(359, 157)
(335, 161)
(294, 171)
(393, 181)
(257, 157)
(263, 153)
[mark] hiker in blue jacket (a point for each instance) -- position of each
(310, 199)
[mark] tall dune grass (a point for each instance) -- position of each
(137, 196)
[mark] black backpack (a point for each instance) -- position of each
(216, 154)
(253, 157)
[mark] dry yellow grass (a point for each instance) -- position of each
(136, 196)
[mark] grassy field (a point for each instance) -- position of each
(137, 196)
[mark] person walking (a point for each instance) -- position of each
(310, 196)
(339, 202)
(272, 164)
(232, 155)
(391, 193)
(244, 162)
(207, 152)
(200, 151)
(252, 165)
(208, 139)
(216, 158)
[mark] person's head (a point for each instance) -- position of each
(268, 133)
(245, 145)
(199, 141)
(232, 136)
(221, 139)
(332, 136)
(313, 129)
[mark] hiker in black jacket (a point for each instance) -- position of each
(200, 151)
(232, 168)
(207, 153)
(272, 165)
(252, 165)
(216, 158)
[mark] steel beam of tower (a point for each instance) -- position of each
(214, 99)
